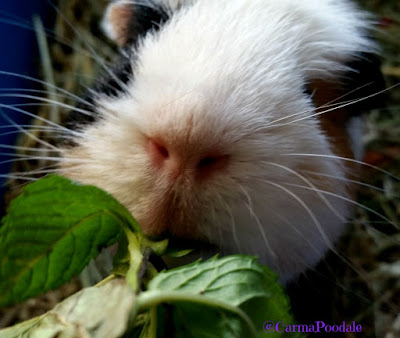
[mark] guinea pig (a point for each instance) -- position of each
(231, 122)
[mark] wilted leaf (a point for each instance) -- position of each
(96, 312)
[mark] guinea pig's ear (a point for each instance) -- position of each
(124, 20)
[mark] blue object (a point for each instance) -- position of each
(19, 54)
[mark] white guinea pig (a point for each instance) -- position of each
(224, 122)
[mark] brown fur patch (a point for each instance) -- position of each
(326, 97)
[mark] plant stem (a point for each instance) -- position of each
(106, 280)
(153, 322)
(150, 299)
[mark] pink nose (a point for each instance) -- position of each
(175, 161)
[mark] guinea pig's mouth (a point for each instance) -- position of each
(181, 243)
(186, 249)
(190, 244)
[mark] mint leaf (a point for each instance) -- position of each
(199, 321)
(51, 232)
(237, 291)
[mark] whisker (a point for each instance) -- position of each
(343, 105)
(344, 179)
(328, 204)
(45, 158)
(30, 135)
(339, 105)
(249, 206)
(45, 84)
(29, 90)
(13, 132)
(37, 117)
(6, 146)
(54, 114)
(295, 229)
(304, 112)
(346, 160)
(233, 228)
(216, 222)
(228, 209)
(95, 55)
(49, 101)
(23, 156)
(16, 177)
(9, 126)
(180, 97)
(27, 24)
(342, 285)
(21, 105)
(372, 222)
(347, 200)
(14, 160)
(328, 104)
(316, 222)
(307, 208)
(40, 171)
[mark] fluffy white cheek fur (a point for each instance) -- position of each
(289, 228)
(276, 211)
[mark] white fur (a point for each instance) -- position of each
(219, 75)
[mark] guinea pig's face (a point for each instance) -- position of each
(215, 167)
(212, 136)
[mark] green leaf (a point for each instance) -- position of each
(101, 312)
(237, 291)
(176, 253)
(205, 321)
(51, 232)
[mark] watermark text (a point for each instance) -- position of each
(315, 327)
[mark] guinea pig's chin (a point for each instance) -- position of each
(165, 221)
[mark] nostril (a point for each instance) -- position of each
(210, 164)
(162, 150)
(158, 153)
(207, 162)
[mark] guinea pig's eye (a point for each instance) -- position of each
(307, 90)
